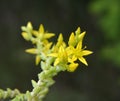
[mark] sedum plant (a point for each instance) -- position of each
(53, 59)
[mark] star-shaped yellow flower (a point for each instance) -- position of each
(78, 53)
(61, 56)
(41, 34)
(74, 49)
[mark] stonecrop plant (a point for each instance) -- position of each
(53, 58)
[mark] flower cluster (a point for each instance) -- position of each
(64, 54)
(67, 54)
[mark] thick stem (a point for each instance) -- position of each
(42, 86)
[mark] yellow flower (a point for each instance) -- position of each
(61, 56)
(78, 53)
(41, 34)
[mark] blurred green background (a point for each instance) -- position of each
(100, 81)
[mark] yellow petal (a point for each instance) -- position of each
(47, 46)
(72, 67)
(61, 49)
(86, 52)
(25, 36)
(48, 35)
(71, 60)
(70, 50)
(37, 59)
(60, 38)
(41, 29)
(31, 51)
(56, 61)
(53, 54)
(64, 57)
(72, 39)
(29, 26)
(60, 41)
(81, 36)
(35, 33)
(79, 45)
(77, 32)
(83, 60)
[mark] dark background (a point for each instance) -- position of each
(100, 81)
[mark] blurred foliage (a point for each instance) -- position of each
(108, 14)
(99, 18)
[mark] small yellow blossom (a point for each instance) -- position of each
(78, 52)
(61, 56)
(41, 34)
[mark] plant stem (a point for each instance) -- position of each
(8, 93)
